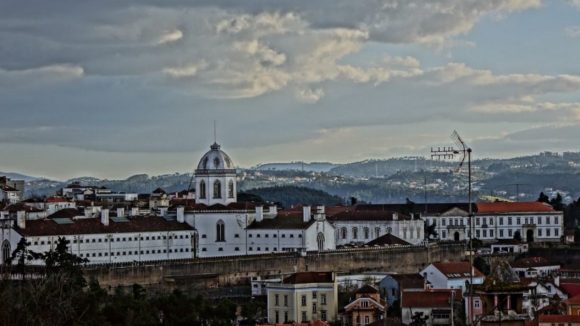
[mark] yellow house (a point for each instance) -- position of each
(303, 297)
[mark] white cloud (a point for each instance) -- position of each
(572, 31)
(575, 3)
(170, 36)
(26, 78)
(309, 95)
(188, 70)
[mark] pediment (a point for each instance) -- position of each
(455, 212)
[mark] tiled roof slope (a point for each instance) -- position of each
(94, 226)
(457, 270)
(503, 207)
(287, 220)
(309, 277)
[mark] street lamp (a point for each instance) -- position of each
(448, 153)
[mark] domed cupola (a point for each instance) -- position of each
(215, 178)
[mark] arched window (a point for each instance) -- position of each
(366, 232)
(320, 241)
(355, 233)
(418, 233)
(343, 233)
(404, 233)
(217, 189)
(5, 251)
(231, 189)
(220, 231)
(377, 232)
(389, 230)
(202, 189)
(411, 233)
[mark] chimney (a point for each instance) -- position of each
(305, 213)
(21, 219)
(105, 216)
(51, 208)
(120, 212)
(320, 213)
(273, 209)
(134, 211)
(395, 216)
(181, 214)
(88, 213)
(259, 213)
(162, 211)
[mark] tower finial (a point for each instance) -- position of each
(214, 133)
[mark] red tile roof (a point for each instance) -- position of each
(532, 262)
(559, 318)
(21, 207)
(508, 207)
(309, 277)
(367, 289)
(65, 213)
(286, 221)
(457, 270)
(56, 199)
(8, 188)
(367, 216)
(425, 299)
(94, 226)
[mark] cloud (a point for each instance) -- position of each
(188, 70)
(170, 36)
(572, 31)
(309, 95)
(575, 3)
(34, 77)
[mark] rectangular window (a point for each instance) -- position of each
(556, 232)
(257, 235)
(477, 234)
(484, 233)
(249, 235)
(547, 232)
(323, 315)
(510, 234)
(313, 294)
(237, 249)
(304, 320)
(519, 221)
(547, 220)
(291, 235)
(491, 233)
(476, 303)
(477, 221)
(443, 222)
(501, 233)
(236, 235)
(277, 317)
(556, 220)
(539, 232)
(367, 320)
(286, 300)
(250, 249)
(314, 307)
(509, 221)
(285, 317)
(501, 221)
(304, 301)
(323, 299)
(276, 300)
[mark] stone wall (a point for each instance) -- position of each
(225, 271)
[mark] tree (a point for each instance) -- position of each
(543, 198)
(557, 203)
(482, 265)
(418, 319)
(430, 230)
(22, 256)
(518, 236)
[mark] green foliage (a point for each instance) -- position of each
(417, 319)
(22, 256)
(291, 195)
(518, 236)
(247, 197)
(482, 265)
(543, 198)
(430, 230)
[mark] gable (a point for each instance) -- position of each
(454, 212)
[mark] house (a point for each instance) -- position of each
(502, 296)
(573, 305)
(366, 308)
(392, 285)
(452, 275)
(11, 191)
(304, 297)
(437, 306)
(540, 294)
(534, 267)
(569, 236)
(509, 245)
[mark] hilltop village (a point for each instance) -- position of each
(108, 228)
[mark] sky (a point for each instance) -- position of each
(116, 88)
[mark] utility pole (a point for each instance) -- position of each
(448, 153)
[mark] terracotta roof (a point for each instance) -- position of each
(508, 207)
(65, 213)
(559, 318)
(309, 277)
(56, 199)
(367, 289)
(8, 188)
(287, 220)
(532, 262)
(425, 299)
(574, 300)
(389, 322)
(94, 226)
(457, 270)
(409, 281)
(388, 239)
(367, 216)
(21, 207)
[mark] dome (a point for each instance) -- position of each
(215, 159)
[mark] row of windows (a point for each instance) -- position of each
(519, 220)
(510, 233)
(217, 189)
(94, 240)
(274, 235)
(303, 300)
(366, 232)
(124, 253)
(249, 249)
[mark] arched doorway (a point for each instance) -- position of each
(456, 236)
(530, 236)
(320, 241)
(5, 251)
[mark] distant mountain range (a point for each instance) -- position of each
(18, 176)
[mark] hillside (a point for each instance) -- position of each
(289, 196)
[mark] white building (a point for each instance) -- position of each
(451, 275)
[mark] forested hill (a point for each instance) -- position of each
(289, 196)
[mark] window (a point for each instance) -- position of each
(236, 235)
(547, 220)
(477, 221)
(202, 249)
(510, 233)
(501, 221)
(556, 232)
(314, 307)
(485, 233)
(501, 233)
(314, 295)
(291, 235)
(323, 299)
(231, 189)
(364, 304)
(304, 301)
(203, 236)
(277, 317)
(250, 235)
(250, 249)
(257, 235)
(285, 300)
(491, 233)
(389, 230)
(477, 234)
(259, 249)
(556, 220)
(539, 232)
(377, 232)
(518, 221)
(404, 233)
(443, 221)
(220, 231)
(220, 249)
(323, 315)
(367, 320)
(217, 189)
(366, 233)
(343, 233)
(509, 220)
(476, 303)
(276, 300)
(443, 234)
(202, 189)
(357, 320)
(547, 232)
(285, 316)
(304, 320)
(355, 233)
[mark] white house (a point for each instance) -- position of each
(452, 275)
(534, 267)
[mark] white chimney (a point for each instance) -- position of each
(134, 211)
(120, 212)
(395, 216)
(259, 213)
(305, 213)
(88, 212)
(180, 214)
(51, 208)
(105, 216)
(319, 209)
(21, 219)
(162, 211)
(273, 209)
